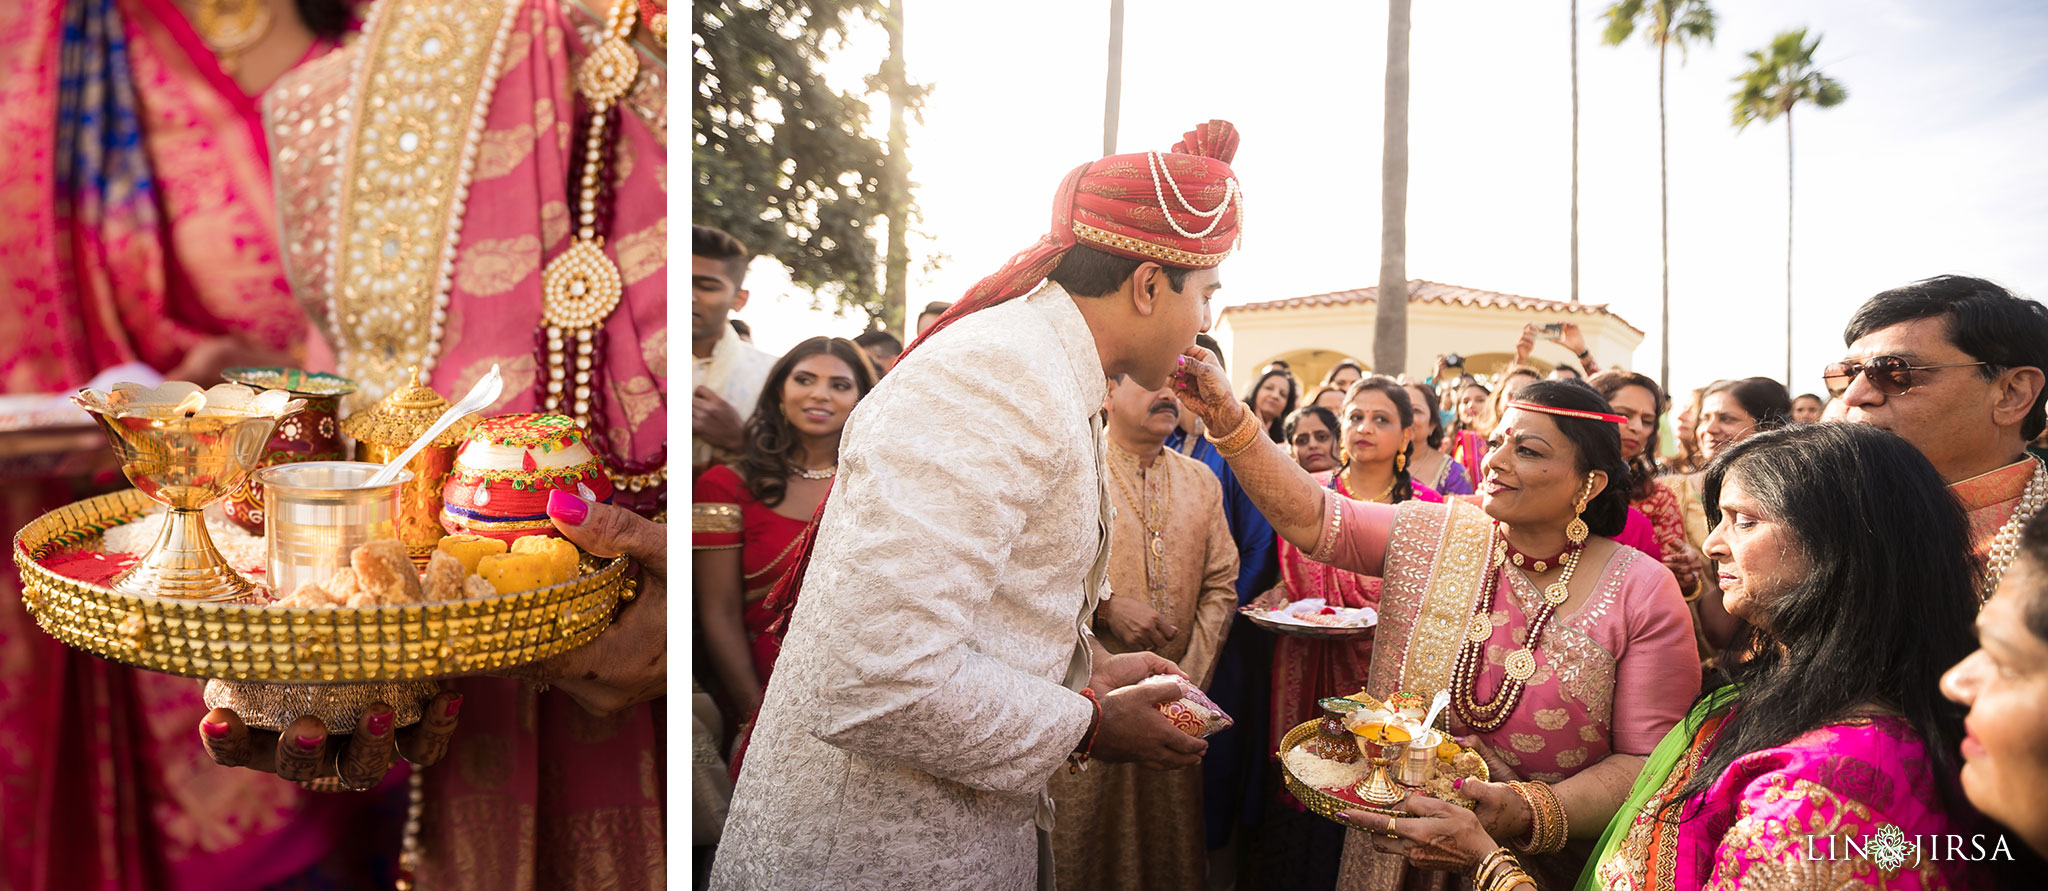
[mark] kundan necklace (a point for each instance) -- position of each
(1520, 559)
(1488, 715)
(1153, 518)
(582, 286)
(2007, 542)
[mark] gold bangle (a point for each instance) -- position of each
(1239, 438)
(1509, 881)
(1547, 824)
(1490, 866)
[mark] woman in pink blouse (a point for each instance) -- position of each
(1828, 751)
(1566, 655)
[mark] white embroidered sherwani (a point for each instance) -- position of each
(925, 691)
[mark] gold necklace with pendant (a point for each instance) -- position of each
(230, 27)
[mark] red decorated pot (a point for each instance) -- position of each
(314, 434)
(505, 469)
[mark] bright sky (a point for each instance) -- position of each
(1934, 164)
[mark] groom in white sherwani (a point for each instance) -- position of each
(938, 665)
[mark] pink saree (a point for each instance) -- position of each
(535, 792)
(1604, 675)
(1802, 814)
(134, 166)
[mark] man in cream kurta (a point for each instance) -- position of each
(988, 650)
(927, 685)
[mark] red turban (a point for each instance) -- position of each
(1180, 208)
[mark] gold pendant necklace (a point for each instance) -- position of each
(1155, 528)
(230, 27)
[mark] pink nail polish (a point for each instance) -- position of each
(213, 729)
(1458, 784)
(378, 724)
(309, 743)
(454, 705)
(567, 507)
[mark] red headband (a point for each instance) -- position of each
(1569, 412)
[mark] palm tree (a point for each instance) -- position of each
(1575, 150)
(1112, 98)
(1664, 22)
(1781, 76)
(1390, 320)
(896, 261)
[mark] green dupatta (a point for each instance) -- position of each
(1664, 759)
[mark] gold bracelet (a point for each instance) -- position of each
(1509, 881)
(1239, 438)
(1491, 866)
(1547, 824)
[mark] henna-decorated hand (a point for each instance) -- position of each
(1204, 389)
(1439, 835)
(302, 754)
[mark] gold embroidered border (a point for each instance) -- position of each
(1326, 540)
(305, 117)
(1454, 585)
(420, 92)
(1174, 256)
(715, 518)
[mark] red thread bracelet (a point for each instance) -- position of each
(1080, 755)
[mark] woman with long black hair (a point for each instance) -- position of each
(1842, 550)
(1272, 400)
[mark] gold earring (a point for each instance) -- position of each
(1400, 462)
(1576, 531)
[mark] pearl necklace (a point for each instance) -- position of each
(821, 473)
(2007, 542)
(1488, 716)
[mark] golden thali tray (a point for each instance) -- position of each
(248, 642)
(1323, 803)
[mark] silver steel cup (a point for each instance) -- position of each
(315, 513)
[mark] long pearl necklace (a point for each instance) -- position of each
(1488, 716)
(2007, 542)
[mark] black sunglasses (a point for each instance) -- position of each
(1891, 375)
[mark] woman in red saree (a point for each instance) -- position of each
(746, 517)
(138, 226)
(1299, 850)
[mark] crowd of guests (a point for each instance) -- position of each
(1807, 617)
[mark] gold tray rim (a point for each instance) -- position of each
(1325, 805)
(328, 645)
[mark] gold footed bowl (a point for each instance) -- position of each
(1324, 804)
(248, 642)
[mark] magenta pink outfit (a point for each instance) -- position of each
(1791, 810)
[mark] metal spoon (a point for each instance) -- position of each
(483, 394)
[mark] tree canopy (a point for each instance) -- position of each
(781, 157)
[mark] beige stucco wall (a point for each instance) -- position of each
(1312, 339)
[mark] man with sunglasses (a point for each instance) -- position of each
(1955, 365)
